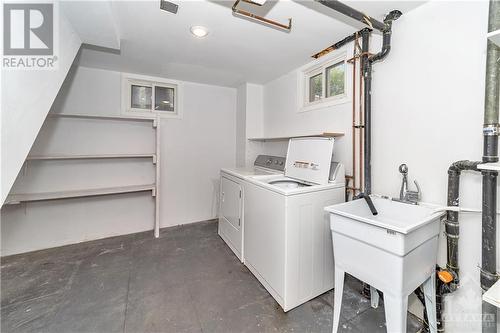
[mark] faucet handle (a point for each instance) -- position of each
(413, 196)
(403, 168)
(419, 193)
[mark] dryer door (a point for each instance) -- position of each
(231, 201)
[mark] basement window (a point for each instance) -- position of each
(145, 96)
(323, 84)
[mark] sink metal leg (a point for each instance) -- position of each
(396, 308)
(430, 302)
(374, 297)
(337, 299)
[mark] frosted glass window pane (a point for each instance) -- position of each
(164, 99)
(141, 97)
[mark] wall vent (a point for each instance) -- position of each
(169, 6)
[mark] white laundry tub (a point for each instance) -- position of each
(394, 251)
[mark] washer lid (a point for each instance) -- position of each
(309, 159)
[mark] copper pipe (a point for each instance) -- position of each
(354, 189)
(359, 55)
(260, 18)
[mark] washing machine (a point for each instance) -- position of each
(287, 240)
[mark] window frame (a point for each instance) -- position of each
(128, 80)
(314, 68)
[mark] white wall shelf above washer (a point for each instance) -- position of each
(102, 117)
(284, 138)
(78, 157)
(494, 36)
(16, 198)
(495, 166)
(492, 296)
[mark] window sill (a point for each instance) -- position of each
(148, 114)
(324, 104)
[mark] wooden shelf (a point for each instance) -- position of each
(16, 198)
(492, 296)
(494, 36)
(77, 157)
(494, 166)
(283, 138)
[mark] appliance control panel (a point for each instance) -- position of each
(270, 162)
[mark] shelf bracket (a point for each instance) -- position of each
(154, 158)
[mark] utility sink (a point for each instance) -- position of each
(394, 251)
(401, 239)
(397, 228)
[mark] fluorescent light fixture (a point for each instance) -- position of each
(199, 31)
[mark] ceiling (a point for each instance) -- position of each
(236, 49)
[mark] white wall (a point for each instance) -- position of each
(194, 149)
(24, 110)
(428, 98)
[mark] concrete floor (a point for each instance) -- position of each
(186, 281)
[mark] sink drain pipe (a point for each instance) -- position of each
(452, 227)
(490, 154)
(366, 65)
(452, 231)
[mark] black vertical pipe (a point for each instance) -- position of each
(490, 154)
(367, 90)
(367, 79)
(368, 127)
(488, 265)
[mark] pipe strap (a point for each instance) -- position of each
(451, 236)
(488, 275)
(490, 130)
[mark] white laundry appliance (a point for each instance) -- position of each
(232, 183)
(287, 239)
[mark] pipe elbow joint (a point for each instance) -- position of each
(459, 166)
(390, 17)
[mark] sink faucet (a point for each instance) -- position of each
(405, 195)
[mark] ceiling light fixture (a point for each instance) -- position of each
(199, 31)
